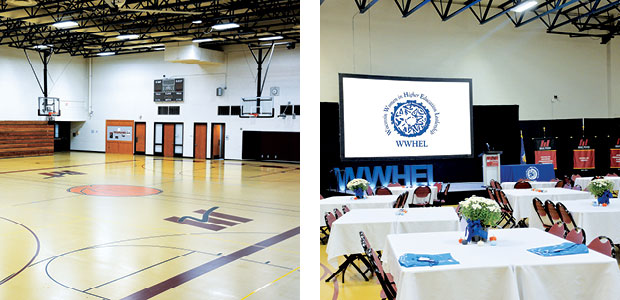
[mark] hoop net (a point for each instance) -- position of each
(253, 115)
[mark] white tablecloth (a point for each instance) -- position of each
(505, 271)
(521, 199)
(344, 236)
(595, 220)
(583, 181)
(535, 184)
(412, 198)
(328, 204)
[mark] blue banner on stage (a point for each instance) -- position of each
(538, 172)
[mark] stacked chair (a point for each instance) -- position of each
(388, 287)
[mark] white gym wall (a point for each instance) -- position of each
(523, 66)
(122, 89)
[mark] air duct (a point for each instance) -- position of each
(192, 54)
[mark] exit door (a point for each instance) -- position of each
(218, 134)
(200, 141)
(140, 141)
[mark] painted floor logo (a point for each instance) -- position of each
(214, 221)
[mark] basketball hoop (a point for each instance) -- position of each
(50, 116)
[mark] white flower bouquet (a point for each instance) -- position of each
(597, 187)
(358, 183)
(483, 209)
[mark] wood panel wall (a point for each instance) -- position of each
(26, 138)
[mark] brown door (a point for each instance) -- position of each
(200, 141)
(168, 139)
(140, 137)
(217, 140)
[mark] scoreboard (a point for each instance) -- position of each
(168, 89)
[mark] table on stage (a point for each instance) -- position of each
(509, 185)
(583, 181)
(505, 271)
(412, 198)
(543, 172)
(328, 204)
(595, 220)
(344, 236)
(521, 199)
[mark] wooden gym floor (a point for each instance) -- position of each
(94, 226)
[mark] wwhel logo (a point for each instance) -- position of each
(411, 115)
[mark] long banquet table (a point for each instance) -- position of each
(506, 271)
(583, 181)
(328, 204)
(344, 236)
(595, 220)
(521, 199)
(535, 184)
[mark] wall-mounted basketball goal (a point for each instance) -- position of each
(257, 107)
(49, 107)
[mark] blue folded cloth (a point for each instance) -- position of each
(567, 248)
(408, 260)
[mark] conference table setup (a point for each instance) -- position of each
(594, 220)
(509, 185)
(329, 204)
(584, 181)
(512, 269)
(412, 198)
(521, 199)
(378, 223)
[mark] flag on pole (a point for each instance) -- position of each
(523, 160)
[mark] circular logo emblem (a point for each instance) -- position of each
(411, 118)
(109, 190)
(531, 173)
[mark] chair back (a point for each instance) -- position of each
(421, 193)
(504, 200)
(321, 196)
(523, 185)
(492, 183)
(542, 214)
(559, 184)
(566, 216)
(612, 175)
(602, 244)
(393, 184)
(438, 185)
(598, 177)
(345, 209)
(445, 191)
(388, 288)
(557, 230)
(383, 191)
(369, 191)
(577, 236)
(553, 213)
(338, 213)
(402, 199)
(491, 193)
(329, 219)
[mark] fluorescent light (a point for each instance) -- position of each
(127, 37)
(225, 26)
(524, 6)
(197, 22)
(65, 24)
(271, 38)
(202, 40)
(41, 47)
(159, 49)
(106, 53)
(275, 44)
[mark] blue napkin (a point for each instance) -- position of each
(409, 260)
(567, 248)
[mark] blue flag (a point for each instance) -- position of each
(523, 160)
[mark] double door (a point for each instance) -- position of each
(218, 139)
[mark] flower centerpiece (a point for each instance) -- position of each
(359, 186)
(480, 214)
(601, 188)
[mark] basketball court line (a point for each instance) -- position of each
(186, 276)
(268, 284)
(61, 167)
(33, 257)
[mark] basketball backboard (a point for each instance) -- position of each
(49, 106)
(257, 107)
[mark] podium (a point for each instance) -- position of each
(491, 166)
